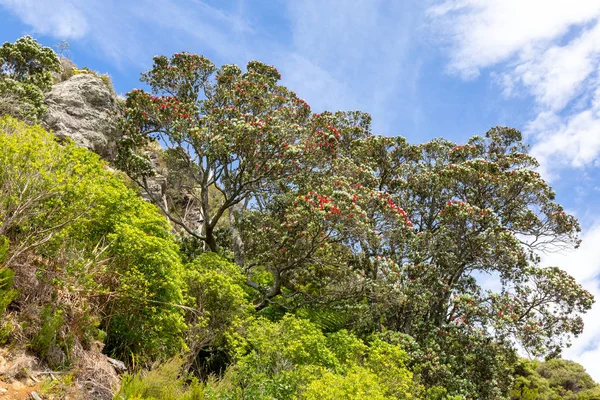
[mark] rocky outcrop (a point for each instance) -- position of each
(83, 108)
(67, 68)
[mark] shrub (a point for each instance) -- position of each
(358, 384)
(292, 356)
(52, 342)
(103, 256)
(7, 293)
(25, 74)
(163, 382)
(221, 308)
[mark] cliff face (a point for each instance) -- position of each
(83, 108)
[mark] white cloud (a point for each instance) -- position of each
(549, 50)
(484, 33)
(132, 32)
(61, 18)
(574, 142)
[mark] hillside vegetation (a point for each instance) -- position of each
(240, 246)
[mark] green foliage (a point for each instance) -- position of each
(25, 74)
(147, 319)
(565, 375)
(347, 348)
(7, 293)
(292, 359)
(358, 384)
(283, 356)
(293, 356)
(115, 251)
(327, 319)
(291, 341)
(387, 361)
(57, 387)
(220, 307)
(52, 342)
(163, 382)
(553, 379)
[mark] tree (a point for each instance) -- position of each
(223, 129)
(553, 379)
(326, 218)
(479, 208)
(260, 148)
(25, 74)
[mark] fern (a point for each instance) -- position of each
(326, 319)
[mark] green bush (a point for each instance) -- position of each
(146, 319)
(7, 293)
(96, 239)
(358, 384)
(293, 356)
(553, 379)
(52, 342)
(25, 74)
(221, 307)
(163, 382)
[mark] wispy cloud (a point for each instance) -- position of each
(366, 47)
(60, 18)
(549, 50)
(572, 141)
(335, 55)
(131, 32)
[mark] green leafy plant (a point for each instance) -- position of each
(99, 242)
(25, 74)
(163, 382)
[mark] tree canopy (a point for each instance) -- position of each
(282, 253)
(25, 74)
(325, 215)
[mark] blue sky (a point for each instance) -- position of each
(423, 69)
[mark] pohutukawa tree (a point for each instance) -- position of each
(317, 225)
(480, 209)
(321, 211)
(225, 130)
(477, 210)
(255, 144)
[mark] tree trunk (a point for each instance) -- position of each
(210, 240)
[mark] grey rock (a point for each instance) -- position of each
(119, 366)
(83, 108)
